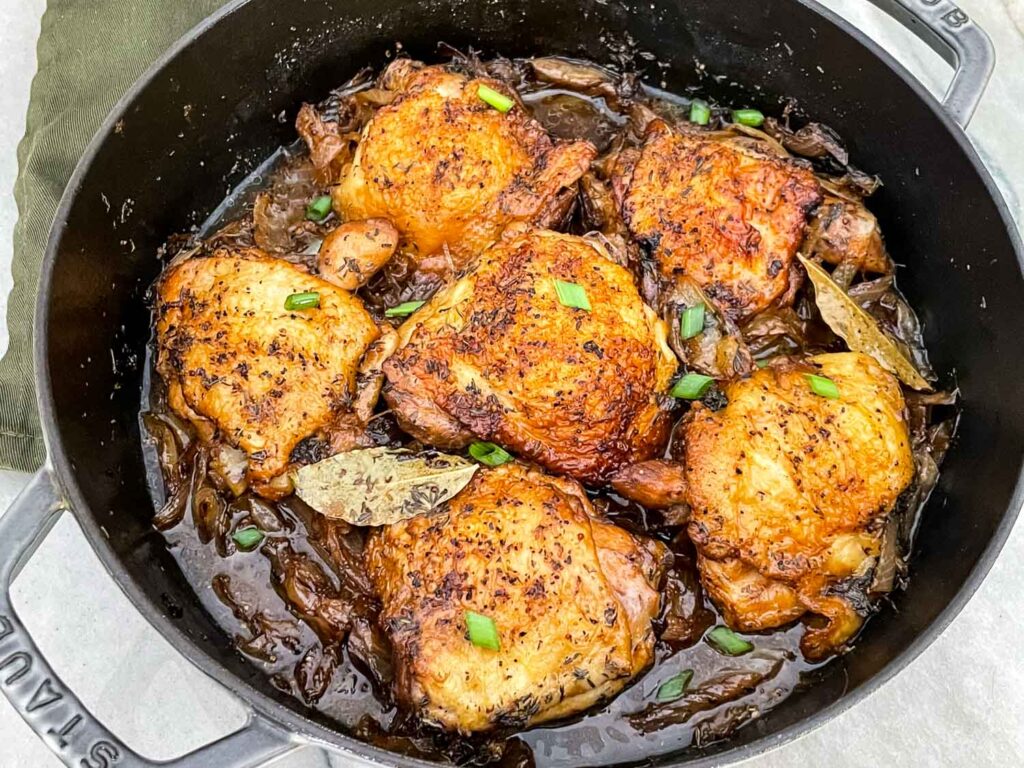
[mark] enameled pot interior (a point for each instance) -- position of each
(226, 99)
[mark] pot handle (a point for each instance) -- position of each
(956, 38)
(49, 707)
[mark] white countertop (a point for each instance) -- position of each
(960, 703)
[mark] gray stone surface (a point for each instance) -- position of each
(960, 703)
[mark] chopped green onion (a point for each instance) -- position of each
(700, 112)
(318, 208)
(675, 686)
(499, 101)
(752, 117)
(724, 640)
(482, 631)
(762, 363)
(572, 295)
(490, 454)
(692, 386)
(823, 386)
(248, 538)
(308, 300)
(404, 309)
(692, 322)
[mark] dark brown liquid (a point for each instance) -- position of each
(237, 588)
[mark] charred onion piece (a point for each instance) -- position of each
(718, 350)
(728, 685)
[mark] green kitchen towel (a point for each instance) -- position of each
(89, 52)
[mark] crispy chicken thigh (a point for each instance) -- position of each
(719, 211)
(789, 492)
(572, 598)
(246, 370)
(496, 356)
(450, 171)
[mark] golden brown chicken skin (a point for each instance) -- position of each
(788, 492)
(451, 172)
(248, 371)
(496, 356)
(571, 596)
(719, 211)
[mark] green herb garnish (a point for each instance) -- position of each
(499, 101)
(490, 454)
(318, 208)
(725, 641)
(248, 538)
(752, 117)
(308, 300)
(482, 631)
(700, 112)
(403, 309)
(823, 386)
(572, 295)
(692, 386)
(675, 686)
(692, 322)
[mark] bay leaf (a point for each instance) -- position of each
(380, 486)
(858, 329)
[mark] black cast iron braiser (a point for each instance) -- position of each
(257, 60)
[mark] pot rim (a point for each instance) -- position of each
(317, 733)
